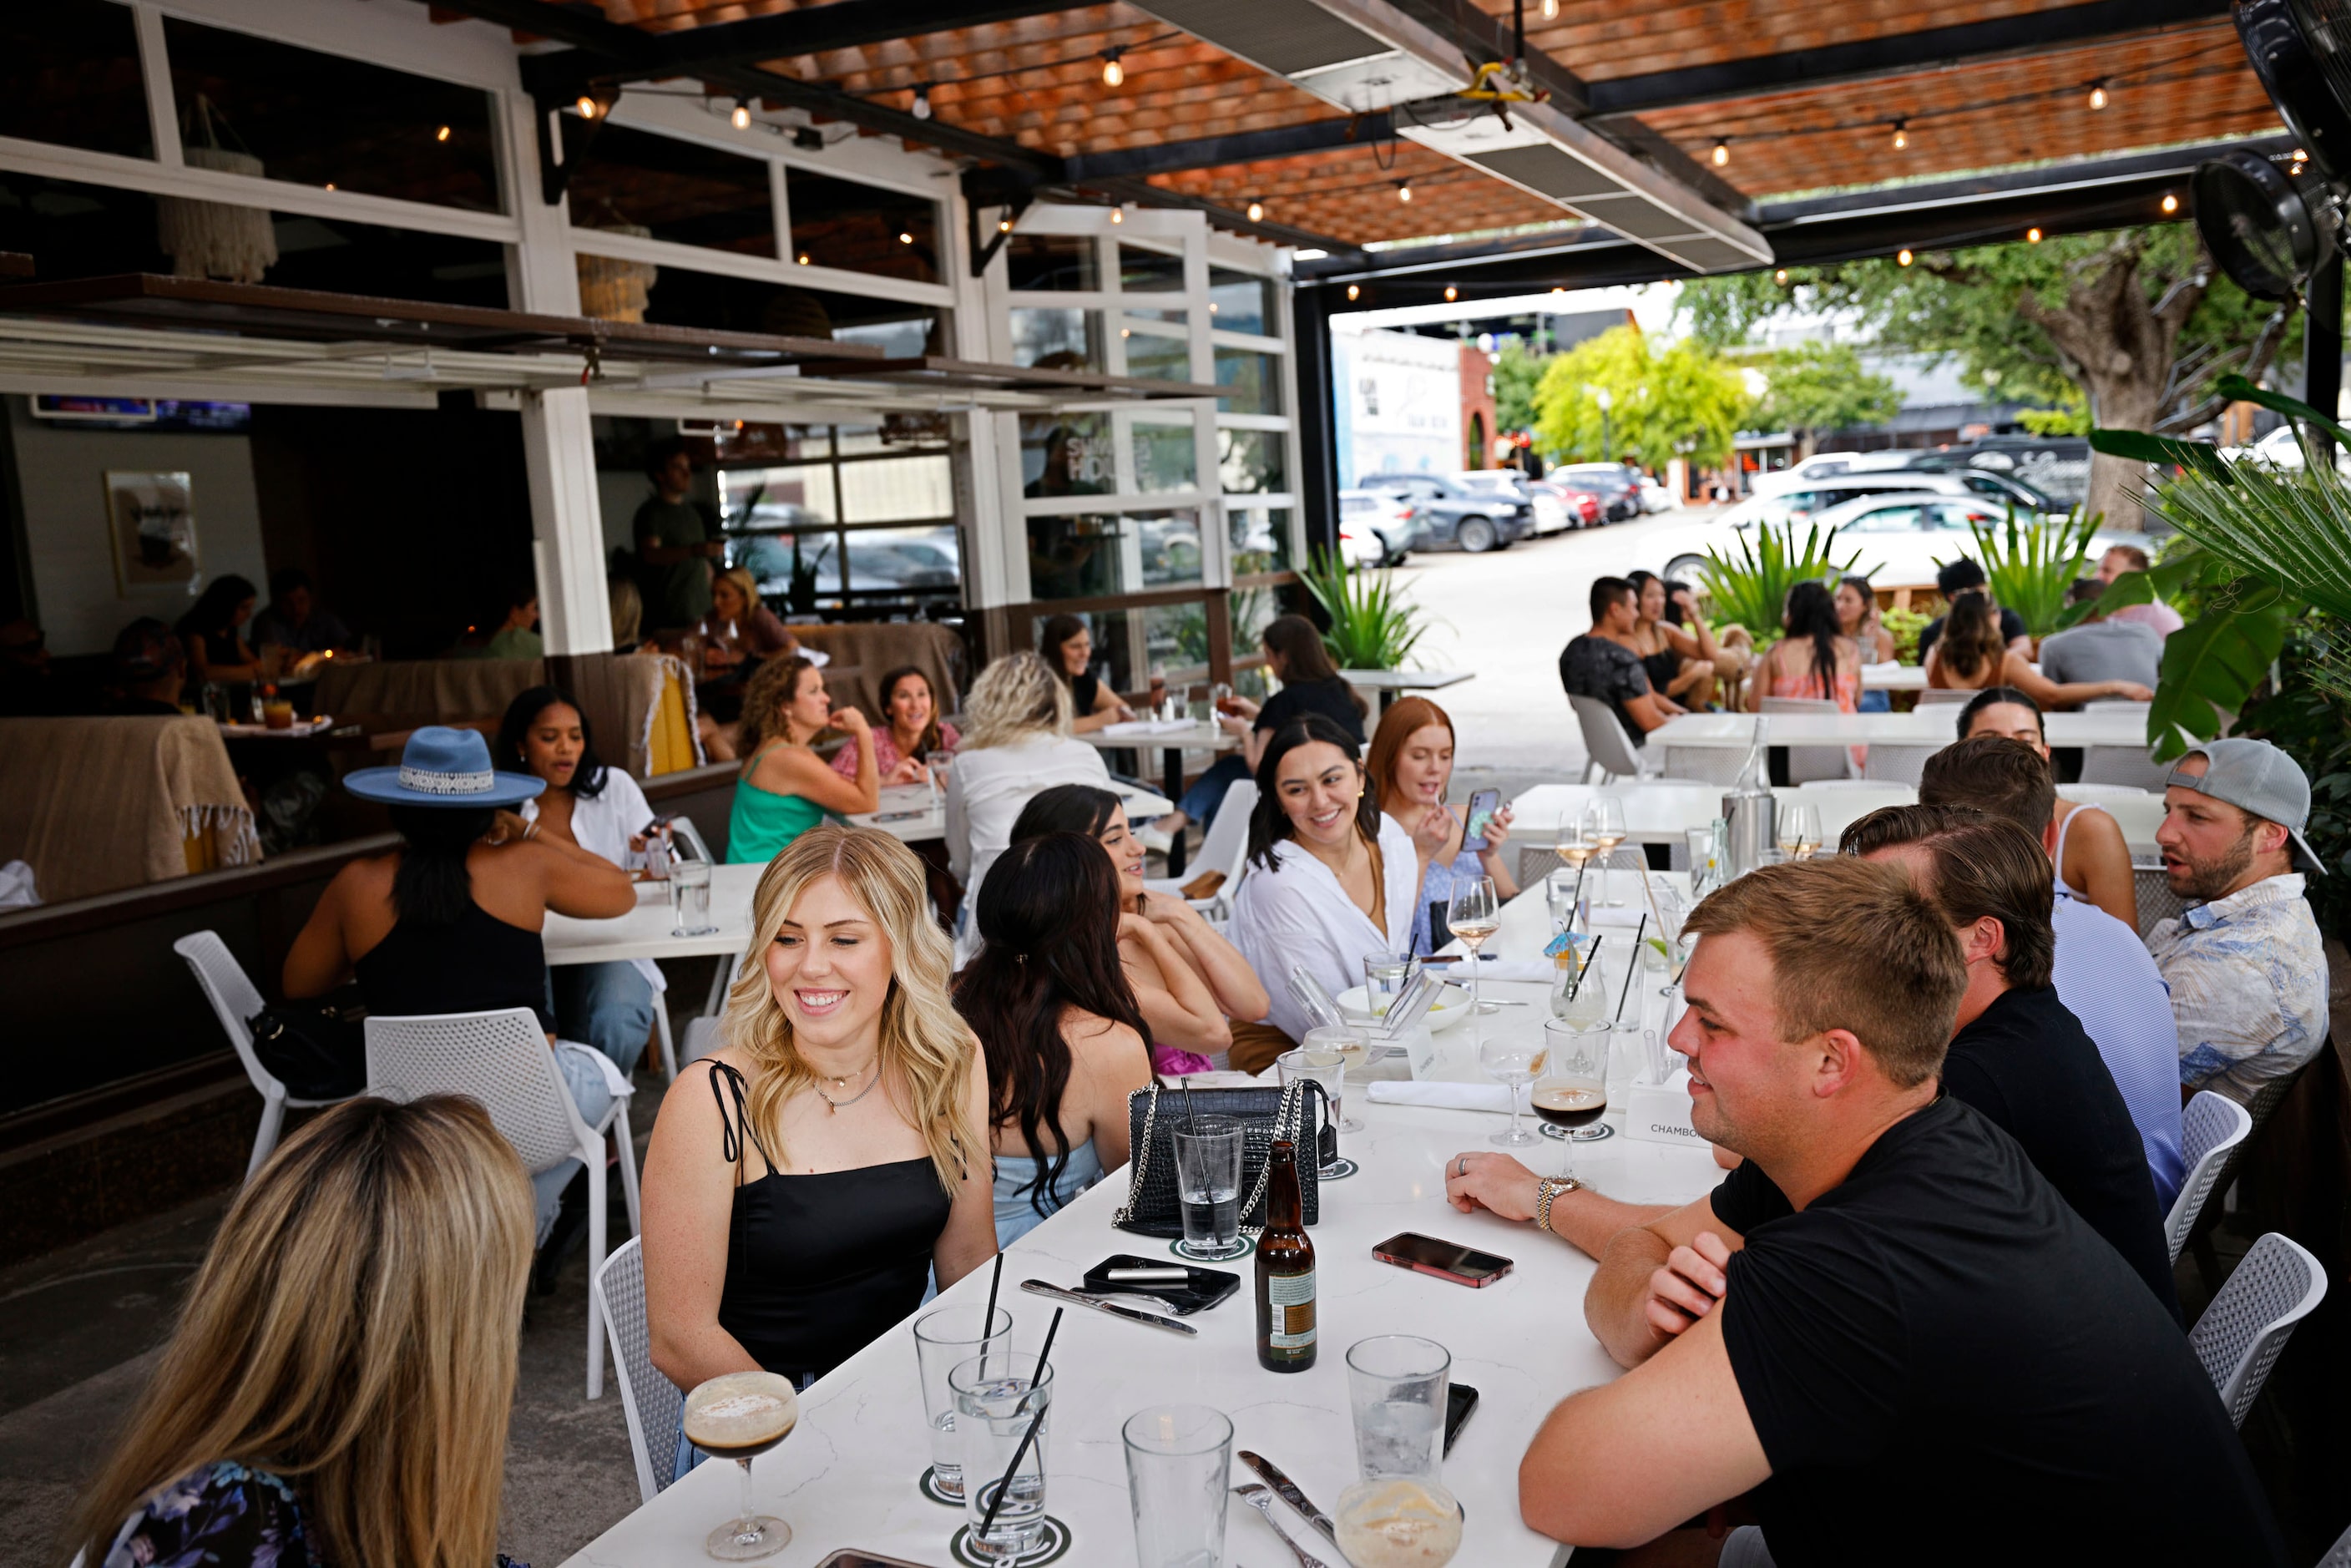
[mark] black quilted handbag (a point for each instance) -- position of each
(1265, 1114)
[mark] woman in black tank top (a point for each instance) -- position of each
(796, 1206)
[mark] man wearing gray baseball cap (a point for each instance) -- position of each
(2247, 974)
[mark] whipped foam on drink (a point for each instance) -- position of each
(1398, 1523)
(741, 1409)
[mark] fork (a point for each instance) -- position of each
(1260, 1498)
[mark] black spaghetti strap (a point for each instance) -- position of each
(731, 1132)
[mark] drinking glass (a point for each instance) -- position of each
(1511, 1060)
(1603, 824)
(1474, 914)
(1559, 894)
(1208, 1187)
(689, 899)
(1349, 1048)
(1319, 1061)
(739, 1415)
(1386, 975)
(1573, 1088)
(936, 765)
(942, 1340)
(997, 1398)
(1179, 1459)
(1799, 832)
(1699, 842)
(1396, 1388)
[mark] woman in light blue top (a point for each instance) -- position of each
(1411, 770)
(1054, 1012)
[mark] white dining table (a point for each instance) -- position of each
(908, 811)
(846, 1476)
(1390, 684)
(1172, 738)
(1893, 677)
(1921, 727)
(1657, 811)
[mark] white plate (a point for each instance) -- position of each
(1451, 1007)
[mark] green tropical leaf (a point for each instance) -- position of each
(2289, 526)
(2030, 566)
(1371, 626)
(1750, 590)
(2236, 389)
(2211, 668)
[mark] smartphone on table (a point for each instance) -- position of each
(1459, 1400)
(1446, 1259)
(1483, 804)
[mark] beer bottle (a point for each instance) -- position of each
(1285, 1270)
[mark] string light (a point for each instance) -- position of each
(1722, 153)
(2032, 235)
(1257, 212)
(441, 134)
(1781, 276)
(1550, 9)
(2170, 203)
(1903, 255)
(741, 119)
(1112, 72)
(1404, 190)
(1004, 226)
(921, 106)
(2097, 95)
(1353, 292)
(906, 238)
(1118, 215)
(803, 258)
(1451, 294)
(588, 107)
(1901, 135)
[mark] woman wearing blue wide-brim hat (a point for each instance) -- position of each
(450, 921)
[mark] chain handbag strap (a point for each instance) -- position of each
(1287, 1117)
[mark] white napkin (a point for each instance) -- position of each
(1534, 971)
(1444, 1096)
(1147, 726)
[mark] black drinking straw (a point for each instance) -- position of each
(1640, 931)
(1587, 969)
(987, 1323)
(1191, 1125)
(1044, 1359)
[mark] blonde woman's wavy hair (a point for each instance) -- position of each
(352, 1330)
(926, 1049)
(1016, 699)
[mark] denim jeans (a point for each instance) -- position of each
(1875, 701)
(593, 1096)
(608, 1005)
(1207, 792)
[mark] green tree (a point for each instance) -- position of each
(1516, 372)
(1683, 402)
(1812, 387)
(2135, 323)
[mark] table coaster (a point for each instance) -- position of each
(1339, 1169)
(1177, 1248)
(929, 1487)
(1592, 1134)
(1052, 1547)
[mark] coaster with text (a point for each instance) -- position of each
(1053, 1545)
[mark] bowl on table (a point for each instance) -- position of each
(1451, 1007)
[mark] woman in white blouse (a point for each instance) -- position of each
(600, 809)
(1016, 742)
(1332, 878)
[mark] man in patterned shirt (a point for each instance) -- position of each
(2247, 974)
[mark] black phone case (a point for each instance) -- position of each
(1205, 1289)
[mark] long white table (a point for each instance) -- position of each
(1894, 678)
(1920, 726)
(846, 1476)
(1658, 812)
(907, 811)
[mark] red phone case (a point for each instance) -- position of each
(1400, 1261)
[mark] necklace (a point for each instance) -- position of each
(834, 1106)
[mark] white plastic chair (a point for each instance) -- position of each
(1888, 764)
(2157, 902)
(1807, 763)
(1225, 848)
(1935, 697)
(1703, 764)
(685, 833)
(1613, 754)
(234, 1001)
(2123, 765)
(2211, 1125)
(2241, 1334)
(502, 1060)
(651, 1401)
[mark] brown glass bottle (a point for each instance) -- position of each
(1285, 1270)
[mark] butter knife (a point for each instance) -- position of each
(1060, 1293)
(1287, 1490)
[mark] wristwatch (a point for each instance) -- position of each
(1546, 1190)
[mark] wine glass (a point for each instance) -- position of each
(1603, 824)
(1511, 1060)
(1572, 1091)
(1799, 831)
(1474, 915)
(935, 770)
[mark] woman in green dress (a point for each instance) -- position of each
(785, 789)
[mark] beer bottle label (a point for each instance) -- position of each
(1292, 1320)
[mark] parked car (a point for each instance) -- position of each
(1392, 519)
(1618, 485)
(1359, 545)
(2281, 449)
(1655, 497)
(1452, 513)
(1989, 479)
(1551, 512)
(1902, 536)
(1582, 505)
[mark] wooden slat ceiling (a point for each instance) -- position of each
(1038, 81)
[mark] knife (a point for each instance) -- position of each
(1153, 1319)
(1286, 1490)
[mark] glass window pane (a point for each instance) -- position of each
(1176, 316)
(681, 191)
(1260, 539)
(1165, 457)
(1159, 359)
(1130, 644)
(1067, 455)
(1249, 461)
(1052, 261)
(1251, 611)
(862, 228)
(925, 561)
(1091, 556)
(69, 74)
(1053, 339)
(897, 489)
(683, 299)
(1255, 380)
(1239, 302)
(322, 120)
(1144, 270)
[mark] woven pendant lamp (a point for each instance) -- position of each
(613, 290)
(214, 239)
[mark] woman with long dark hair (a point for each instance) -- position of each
(600, 808)
(1188, 981)
(1311, 683)
(1065, 1040)
(1970, 657)
(1814, 660)
(1067, 646)
(450, 921)
(218, 650)
(1335, 877)
(911, 729)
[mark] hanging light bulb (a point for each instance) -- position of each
(2032, 235)
(1353, 292)
(587, 106)
(441, 134)
(1903, 255)
(741, 119)
(1550, 9)
(921, 106)
(1112, 72)
(1004, 226)
(1257, 212)
(2170, 203)
(1451, 294)
(1781, 276)
(1404, 190)
(1118, 215)
(1901, 135)
(2097, 95)
(1721, 151)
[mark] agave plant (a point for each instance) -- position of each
(2030, 564)
(1751, 589)
(1373, 627)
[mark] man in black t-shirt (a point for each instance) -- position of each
(2020, 1057)
(1885, 1326)
(1601, 664)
